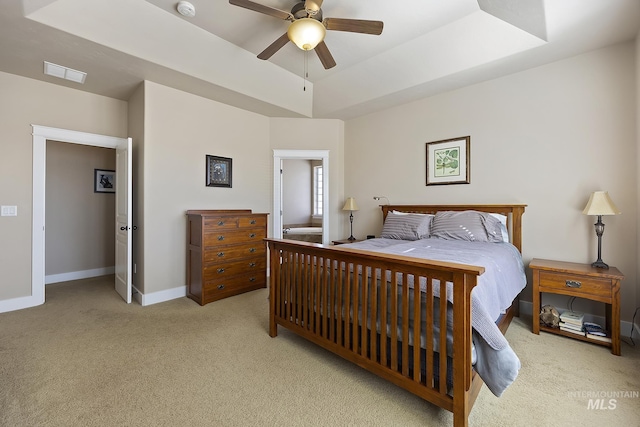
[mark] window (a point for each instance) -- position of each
(317, 191)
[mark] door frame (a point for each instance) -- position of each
(278, 156)
(40, 136)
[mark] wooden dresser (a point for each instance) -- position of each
(226, 254)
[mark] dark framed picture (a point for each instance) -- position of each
(448, 161)
(218, 171)
(104, 181)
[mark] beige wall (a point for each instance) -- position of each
(136, 133)
(79, 222)
(317, 134)
(25, 102)
(546, 137)
(180, 130)
(297, 196)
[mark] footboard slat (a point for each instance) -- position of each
(442, 363)
(416, 333)
(379, 311)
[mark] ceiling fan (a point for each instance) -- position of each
(308, 28)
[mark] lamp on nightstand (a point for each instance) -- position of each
(350, 205)
(600, 204)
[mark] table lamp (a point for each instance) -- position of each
(350, 205)
(600, 204)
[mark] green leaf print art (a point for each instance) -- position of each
(447, 162)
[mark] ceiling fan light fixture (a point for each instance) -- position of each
(306, 33)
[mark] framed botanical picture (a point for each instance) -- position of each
(104, 181)
(218, 171)
(448, 161)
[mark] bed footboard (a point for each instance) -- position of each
(382, 313)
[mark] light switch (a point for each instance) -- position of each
(9, 211)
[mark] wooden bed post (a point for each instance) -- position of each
(274, 276)
(463, 285)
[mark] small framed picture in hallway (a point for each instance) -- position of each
(104, 181)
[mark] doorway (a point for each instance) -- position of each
(278, 157)
(80, 213)
(123, 204)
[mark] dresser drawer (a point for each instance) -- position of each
(229, 269)
(221, 288)
(223, 237)
(569, 283)
(249, 222)
(223, 253)
(221, 223)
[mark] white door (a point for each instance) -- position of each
(123, 219)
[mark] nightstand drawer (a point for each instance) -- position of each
(568, 283)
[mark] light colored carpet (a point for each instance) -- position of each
(85, 358)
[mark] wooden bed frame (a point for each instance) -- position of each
(306, 277)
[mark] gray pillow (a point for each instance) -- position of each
(406, 226)
(466, 225)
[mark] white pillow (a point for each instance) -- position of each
(503, 226)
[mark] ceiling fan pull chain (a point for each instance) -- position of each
(306, 69)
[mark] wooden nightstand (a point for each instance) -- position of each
(344, 241)
(582, 281)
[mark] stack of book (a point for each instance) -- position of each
(596, 332)
(571, 321)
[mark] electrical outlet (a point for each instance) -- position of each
(9, 211)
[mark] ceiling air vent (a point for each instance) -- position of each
(64, 72)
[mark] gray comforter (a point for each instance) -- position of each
(503, 279)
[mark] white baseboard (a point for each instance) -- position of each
(76, 275)
(19, 303)
(160, 296)
(526, 307)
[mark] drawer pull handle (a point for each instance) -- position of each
(253, 221)
(220, 287)
(220, 237)
(252, 264)
(252, 250)
(220, 254)
(252, 235)
(220, 222)
(221, 270)
(252, 279)
(572, 283)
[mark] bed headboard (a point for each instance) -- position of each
(512, 212)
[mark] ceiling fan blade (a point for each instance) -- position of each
(354, 25)
(325, 56)
(248, 4)
(274, 47)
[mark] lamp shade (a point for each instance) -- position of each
(350, 205)
(306, 33)
(600, 204)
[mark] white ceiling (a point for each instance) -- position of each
(426, 47)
